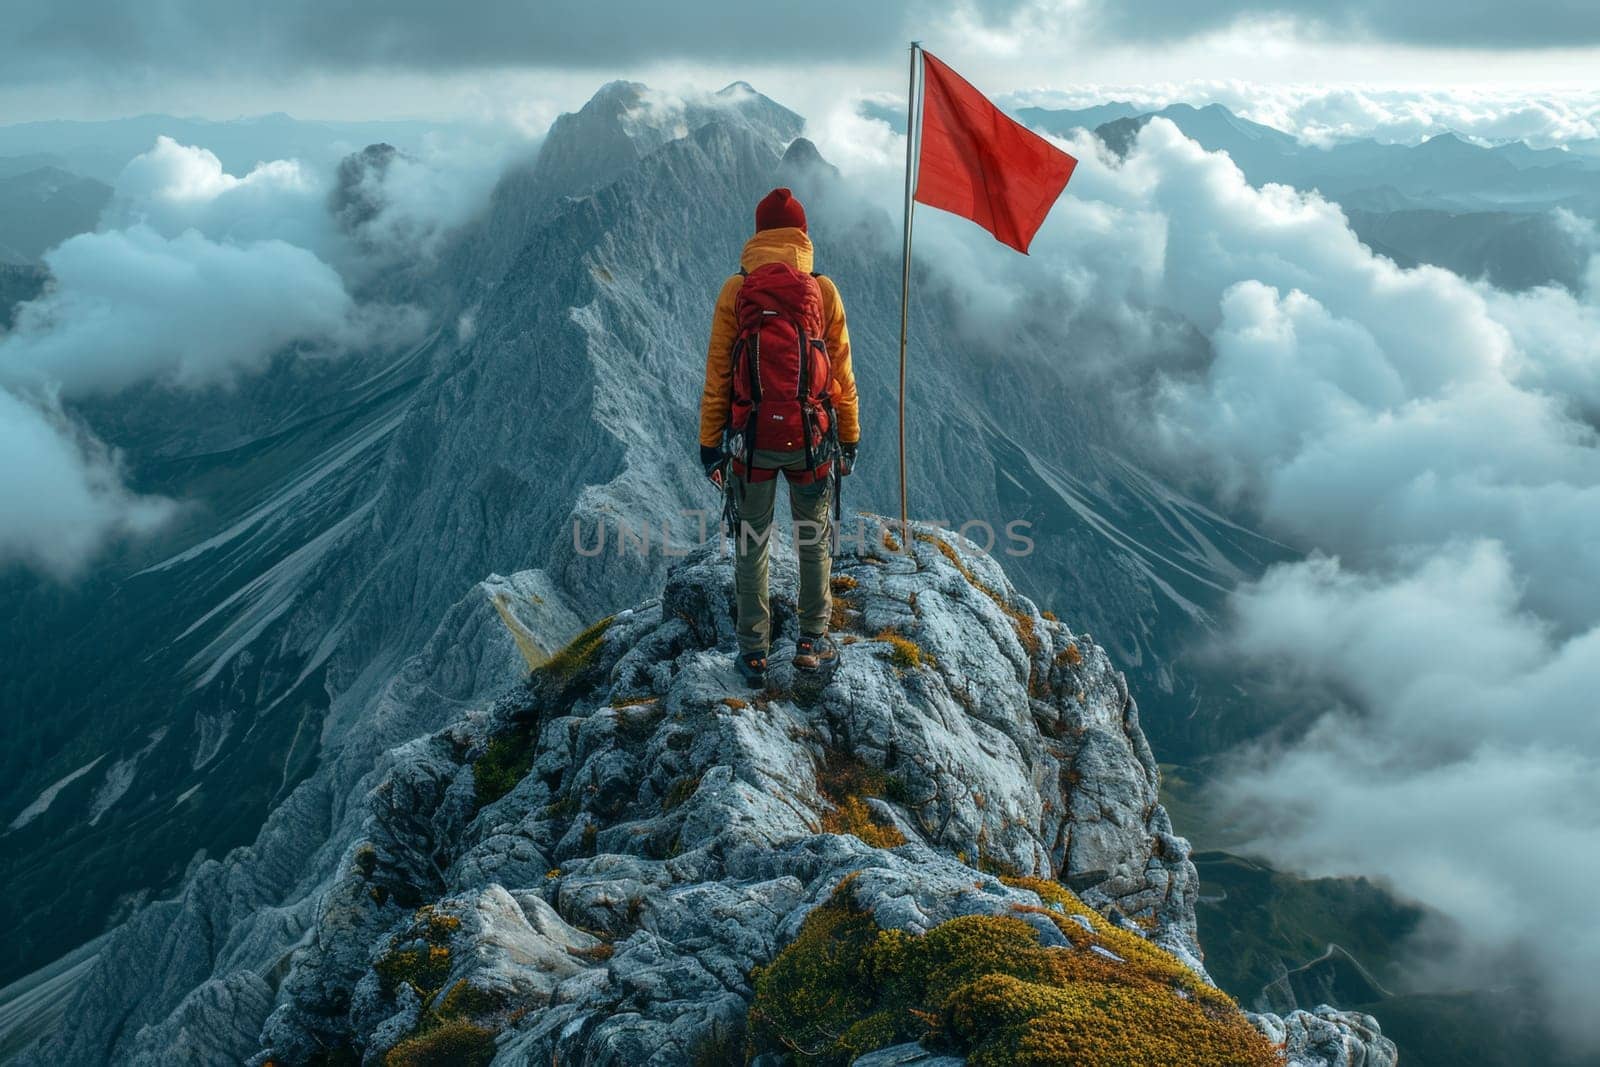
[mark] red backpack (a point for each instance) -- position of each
(781, 369)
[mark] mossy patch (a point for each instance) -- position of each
(450, 1028)
(1069, 656)
(842, 614)
(852, 816)
(569, 668)
(903, 652)
(419, 956)
(452, 1043)
(679, 791)
(506, 760)
(464, 999)
(845, 782)
(983, 986)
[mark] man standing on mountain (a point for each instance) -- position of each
(779, 396)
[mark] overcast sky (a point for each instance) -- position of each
(494, 58)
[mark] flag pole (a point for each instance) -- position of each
(912, 132)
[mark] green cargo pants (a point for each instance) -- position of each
(808, 504)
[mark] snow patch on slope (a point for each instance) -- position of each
(119, 779)
(42, 802)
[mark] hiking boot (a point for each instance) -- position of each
(814, 653)
(753, 668)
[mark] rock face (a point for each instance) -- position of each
(588, 869)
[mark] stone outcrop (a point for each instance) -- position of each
(594, 867)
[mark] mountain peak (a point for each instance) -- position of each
(614, 95)
(634, 825)
(625, 121)
(1448, 142)
(803, 165)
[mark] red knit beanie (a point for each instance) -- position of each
(779, 208)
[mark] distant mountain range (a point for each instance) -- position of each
(100, 149)
(43, 206)
(1483, 212)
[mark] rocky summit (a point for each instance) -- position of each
(946, 849)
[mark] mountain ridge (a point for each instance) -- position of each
(618, 842)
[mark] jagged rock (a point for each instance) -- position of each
(683, 817)
(590, 868)
(1328, 1037)
(909, 1055)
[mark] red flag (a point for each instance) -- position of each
(977, 162)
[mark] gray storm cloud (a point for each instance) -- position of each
(189, 36)
(44, 39)
(1467, 23)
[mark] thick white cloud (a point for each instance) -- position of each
(132, 305)
(410, 203)
(173, 188)
(1467, 770)
(1432, 440)
(1431, 433)
(62, 491)
(422, 199)
(195, 278)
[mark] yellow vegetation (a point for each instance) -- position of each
(852, 816)
(532, 652)
(452, 1043)
(983, 987)
(845, 781)
(840, 615)
(579, 653)
(423, 966)
(903, 652)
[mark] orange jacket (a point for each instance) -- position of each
(786, 245)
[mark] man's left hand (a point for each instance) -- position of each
(847, 457)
